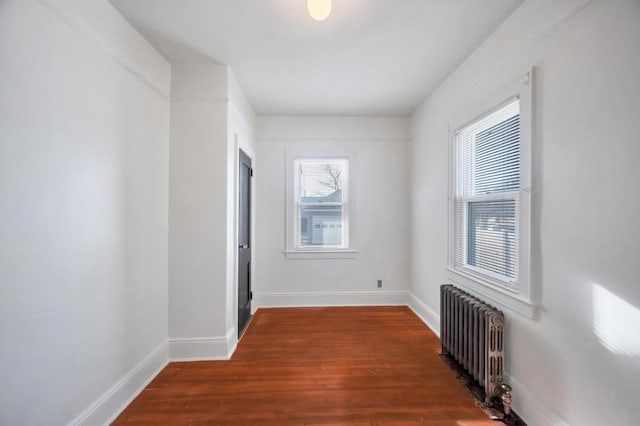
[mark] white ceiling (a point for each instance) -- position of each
(371, 57)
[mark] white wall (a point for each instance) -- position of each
(84, 120)
(210, 120)
(197, 212)
(578, 362)
(240, 135)
(379, 222)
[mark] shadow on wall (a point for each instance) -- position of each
(534, 365)
(616, 323)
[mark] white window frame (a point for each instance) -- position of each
(294, 250)
(517, 295)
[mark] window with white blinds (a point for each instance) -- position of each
(487, 191)
(320, 203)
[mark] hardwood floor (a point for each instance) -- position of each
(315, 366)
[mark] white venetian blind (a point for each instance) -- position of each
(487, 193)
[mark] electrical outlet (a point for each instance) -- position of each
(379, 283)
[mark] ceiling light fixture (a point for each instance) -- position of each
(319, 9)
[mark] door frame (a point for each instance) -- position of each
(249, 152)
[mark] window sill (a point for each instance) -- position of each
(501, 296)
(321, 254)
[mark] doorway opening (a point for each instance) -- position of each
(244, 241)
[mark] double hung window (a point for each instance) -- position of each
(320, 195)
(491, 197)
(487, 195)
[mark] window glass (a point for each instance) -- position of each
(487, 194)
(321, 203)
(321, 226)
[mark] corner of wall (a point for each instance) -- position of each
(110, 404)
(114, 36)
(426, 314)
(200, 82)
(213, 348)
(239, 103)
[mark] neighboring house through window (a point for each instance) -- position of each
(318, 207)
(321, 203)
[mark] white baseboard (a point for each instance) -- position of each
(426, 314)
(530, 408)
(108, 406)
(203, 348)
(341, 298)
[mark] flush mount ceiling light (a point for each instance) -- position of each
(319, 9)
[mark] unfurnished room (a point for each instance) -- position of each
(319, 212)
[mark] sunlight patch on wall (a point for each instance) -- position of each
(616, 322)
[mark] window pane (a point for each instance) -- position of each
(321, 182)
(487, 175)
(491, 236)
(488, 153)
(498, 158)
(321, 226)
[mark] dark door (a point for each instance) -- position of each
(244, 242)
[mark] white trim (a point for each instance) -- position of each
(504, 298)
(338, 298)
(200, 100)
(425, 313)
(110, 404)
(329, 151)
(232, 341)
(203, 348)
(399, 139)
(526, 404)
(53, 7)
(519, 299)
(321, 254)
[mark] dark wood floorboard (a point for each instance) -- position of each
(315, 366)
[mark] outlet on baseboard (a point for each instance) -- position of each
(379, 283)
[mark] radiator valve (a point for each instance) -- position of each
(506, 399)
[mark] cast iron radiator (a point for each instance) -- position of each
(472, 333)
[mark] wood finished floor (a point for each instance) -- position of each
(315, 366)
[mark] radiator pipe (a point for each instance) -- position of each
(506, 399)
